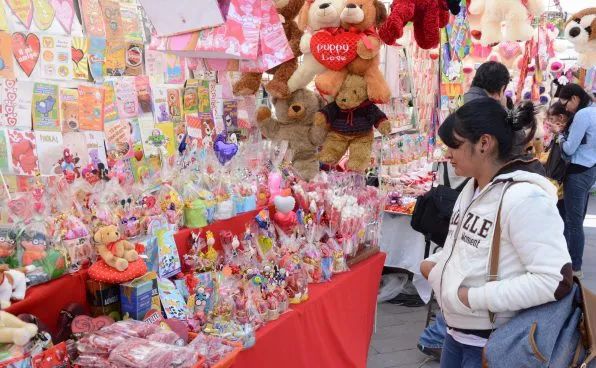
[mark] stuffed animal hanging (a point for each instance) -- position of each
(428, 17)
(314, 16)
(354, 50)
(580, 30)
(13, 284)
(249, 83)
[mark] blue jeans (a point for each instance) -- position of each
(576, 192)
(458, 355)
(433, 336)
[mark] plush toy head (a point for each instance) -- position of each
(289, 9)
(363, 14)
(106, 234)
(352, 92)
(580, 29)
(319, 14)
(301, 104)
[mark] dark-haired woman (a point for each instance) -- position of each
(579, 145)
(480, 142)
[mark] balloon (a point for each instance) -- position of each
(224, 150)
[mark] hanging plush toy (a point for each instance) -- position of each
(314, 16)
(513, 14)
(580, 30)
(249, 83)
(354, 50)
(14, 330)
(428, 17)
(350, 121)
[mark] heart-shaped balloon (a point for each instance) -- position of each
(284, 204)
(334, 51)
(86, 324)
(224, 150)
(26, 51)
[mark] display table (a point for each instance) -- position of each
(332, 329)
(405, 249)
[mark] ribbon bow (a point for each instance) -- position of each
(363, 35)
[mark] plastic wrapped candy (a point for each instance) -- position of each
(171, 204)
(140, 353)
(195, 208)
(213, 348)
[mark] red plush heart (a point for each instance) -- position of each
(26, 51)
(334, 51)
(86, 324)
(77, 54)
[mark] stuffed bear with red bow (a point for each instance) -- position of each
(428, 17)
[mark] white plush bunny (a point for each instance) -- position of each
(313, 16)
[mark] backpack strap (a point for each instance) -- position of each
(446, 180)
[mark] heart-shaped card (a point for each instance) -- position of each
(334, 51)
(26, 51)
(86, 324)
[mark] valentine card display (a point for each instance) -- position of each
(182, 16)
(23, 152)
(91, 112)
(334, 50)
(45, 107)
(25, 48)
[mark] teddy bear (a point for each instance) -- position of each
(294, 123)
(313, 16)
(70, 116)
(249, 82)
(349, 121)
(580, 30)
(512, 13)
(360, 17)
(428, 17)
(13, 284)
(115, 252)
(14, 330)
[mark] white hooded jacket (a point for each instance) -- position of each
(534, 264)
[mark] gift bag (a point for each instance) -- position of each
(54, 357)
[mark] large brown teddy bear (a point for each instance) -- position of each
(361, 16)
(350, 121)
(294, 123)
(115, 252)
(249, 83)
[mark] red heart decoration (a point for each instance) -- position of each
(334, 51)
(86, 324)
(26, 51)
(77, 54)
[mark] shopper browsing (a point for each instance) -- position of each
(480, 146)
(579, 146)
(490, 80)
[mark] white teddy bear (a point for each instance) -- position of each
(313, 16)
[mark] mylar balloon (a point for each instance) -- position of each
(224, 150)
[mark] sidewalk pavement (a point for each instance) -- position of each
(398, 327)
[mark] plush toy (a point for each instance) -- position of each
(580, 30)
(474, 22)
(512, 13)
(249, 83)
(294, 123)
(314, 15)
(350, 121)
(14, 330)
(508, 53)
(428, 17)
(359, 18)
(285, 217)
(115, 252)
(13, 284)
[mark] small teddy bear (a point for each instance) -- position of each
(314, 15)
(350, 121)
(116, 252)
(294, 123)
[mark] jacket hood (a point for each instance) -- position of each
(474, 93)
(530, 171)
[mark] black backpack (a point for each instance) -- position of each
(556, 165)
(433, 210)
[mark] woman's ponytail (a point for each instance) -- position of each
(523, 118)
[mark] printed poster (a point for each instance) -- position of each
(91, 105)
(45, 107)
(23, 152)
(50, 147)
(56, 58)
(80, 58)
(69, 109)
(6, 63)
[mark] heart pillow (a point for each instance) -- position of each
(334, 50)
(100, 271)
(284, 204)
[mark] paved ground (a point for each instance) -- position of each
(394, 343)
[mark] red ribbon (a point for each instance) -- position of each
(363, 35)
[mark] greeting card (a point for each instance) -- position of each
(43, 14)
(131, 26)
(97, 49)
(134, 58)
(23, 154)
(207, 129)
(160, 103)
(50, 149)
(175, 69)
(4, 151)
(91, 105)
(92, 18)
(143, 88)
(96, 149)
(80, 58)
(147, 127)
(3, 19)
(75, 142)
(69, 109)
(123, 139)
(6, 65)
(230, 115)
(115, 53)
(126, 97)
(204, 96)
(190, 104)
(168, 137)
(56, 58)
(155, 66)
(175, 104)
(110, 108)
(25, 48)
(171, 298)
(65, 13)
(45, 107)
(22, 10)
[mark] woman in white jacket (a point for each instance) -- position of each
(534, 264)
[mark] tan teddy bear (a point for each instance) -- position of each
(294, 123)
(350, 120)
(115, 252)
(70, 116)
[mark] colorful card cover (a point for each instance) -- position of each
(6, 61)
(69, 109)
(127, 101)
(123, 139)
(110, 108)
(15, 103)
(45, 107)
(143, 88)
(93, 20)
(23, 152)
(50, 150)
(175, 104)
(80, 57)
(91, 108)
(96, 150)
(160, 103)
(97, 51)
(172, 300)
(56, 57)
(169, 260)
(75, 142)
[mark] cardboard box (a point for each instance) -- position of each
(139, 296)
(103, 299)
